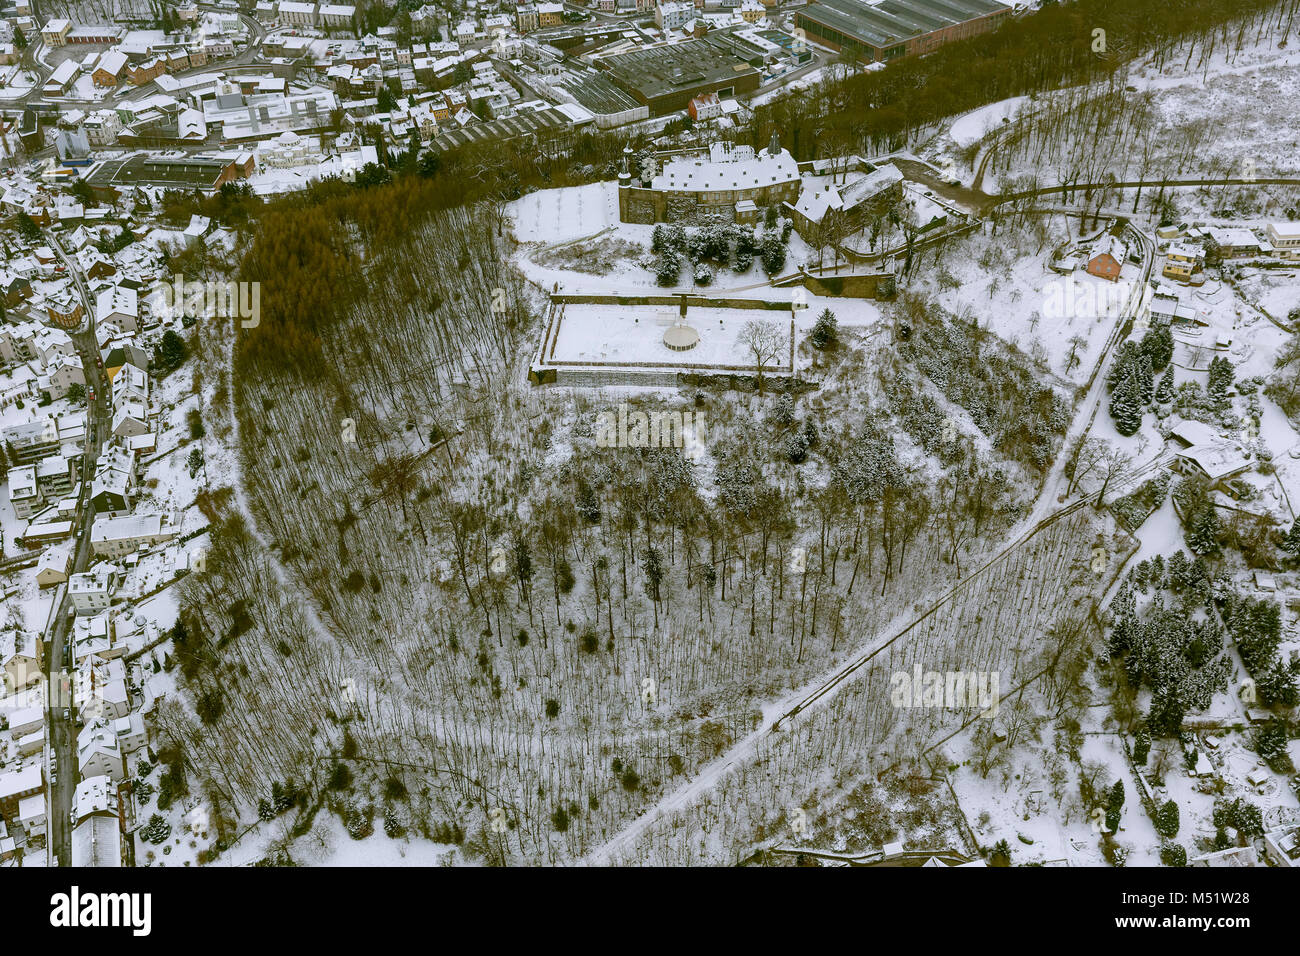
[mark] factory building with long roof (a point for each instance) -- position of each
(888, 29)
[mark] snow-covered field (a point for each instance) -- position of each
(975, 125)
(562, 215)
(617, 334)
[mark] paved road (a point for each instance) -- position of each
(63, 732)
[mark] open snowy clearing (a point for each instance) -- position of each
(618, 334)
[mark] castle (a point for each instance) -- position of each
(734, 182)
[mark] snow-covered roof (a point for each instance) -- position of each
(1185, 251)
(116, 300)
(728, 167)
(871, 184)
(1108, 245)
(1192, 432)
(1233, 856)
(113, 62)
(1217, 460)
(15, 782)
(1233, 237)
(97, 842)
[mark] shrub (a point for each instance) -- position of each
(1173, 854)
(157, 830)
(825, 331)
(1167, 819)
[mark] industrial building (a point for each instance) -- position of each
(525, 123)
(666, 78)
(594, 91)
(894, 28)
(204, 173)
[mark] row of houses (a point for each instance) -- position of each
(110, 730)
(137, 58)
(325, 16)
(1185, 255)
(134, 548)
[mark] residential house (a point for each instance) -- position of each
(705, 107)
(526, 18)
(1106, 258)
(61, 375)
(1234, 242)
(89, 591)
(102, 127)
(28, 719)
(24, 495)
(110, 491)
(130, 384)
(1182, 260)
(132, 734)
(673, 15)
(31, 815)
(55, 476)
(55, 32)
(118, 354)
(97, 835)
(298, 14)
(141, 73)
(1285, 238)
(1282, 846)
(65, 310)
(61, 80)
(336, 16)
(98, 752)
(17, 785)
(130, 419)
(1215, 461)
(21, 659)
(100, 688)
(119, 536)
(52, 566)
(110, 70)
(119, 305)
(15, 288)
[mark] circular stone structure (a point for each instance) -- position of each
(681, 338)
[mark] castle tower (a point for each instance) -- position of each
(624, 173)
(624, 183)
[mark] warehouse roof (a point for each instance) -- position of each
(657, 71)
(894, 21)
